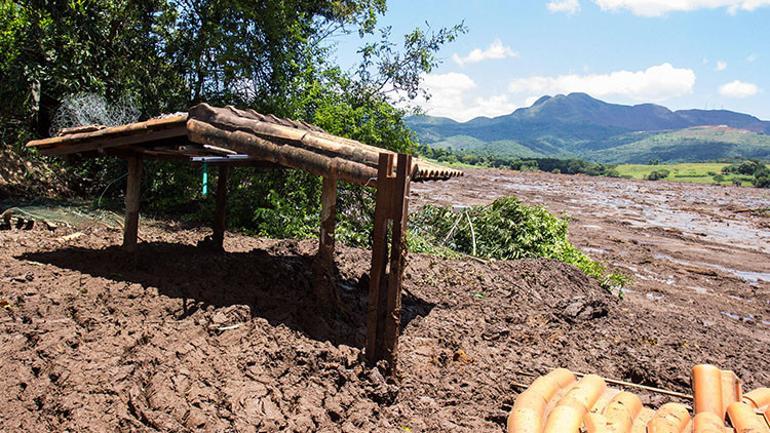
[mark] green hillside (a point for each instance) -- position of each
(579, 126)
(689, 145)
(504, 148)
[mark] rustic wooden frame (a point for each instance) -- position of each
(230, 137)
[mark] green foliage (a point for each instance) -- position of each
(505, 229)
(758, 172)
(658, 174)
(272, 56)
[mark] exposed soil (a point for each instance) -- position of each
(189, 340)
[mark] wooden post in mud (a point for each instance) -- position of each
(325, 285)
(133, 191)
(384, 311)
(220, 221)
(328, 219)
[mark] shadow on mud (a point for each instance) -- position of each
(274, 284)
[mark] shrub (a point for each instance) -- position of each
(719, 178)
(658, 174)
(505, 229)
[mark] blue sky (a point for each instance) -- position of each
(678, 53)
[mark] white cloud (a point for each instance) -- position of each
(654, 84)
(449, 97)
(565, 6)
(495, 51)
(738, 89)
(752, 58)
(654, 8)
(721, 65)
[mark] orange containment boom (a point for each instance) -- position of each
(529, 410)
(745, 420)
(618, 416)
(670, 418)
(567, 416)
(707, 422)
(714, 389)
(758, 398)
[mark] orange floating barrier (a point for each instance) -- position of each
(567, 416)
(707, 422)
(707, 390)
(758, 398)
(745, 420)
(527, 414)
(670, 418)
(618, 416)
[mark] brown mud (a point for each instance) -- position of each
(189, 340)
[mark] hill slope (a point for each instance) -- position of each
(578, 125)
(689, 145)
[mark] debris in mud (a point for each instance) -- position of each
(581, 309)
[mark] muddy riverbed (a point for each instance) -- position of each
(189, 340)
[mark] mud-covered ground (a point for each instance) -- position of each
(189, 340)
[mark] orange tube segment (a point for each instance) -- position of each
(758, 398)
(528, 411)
(732, 390)
(744, 420)
(567, 416)
(707, 422)
(622, 411)
(707, 389)
(670, 418)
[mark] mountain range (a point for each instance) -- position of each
(580, 126)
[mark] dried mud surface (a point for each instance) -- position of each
(189, 340)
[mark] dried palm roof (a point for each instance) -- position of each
(232, 135)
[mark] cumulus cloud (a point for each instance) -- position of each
(564, 6)
(721, 65)
(654, 84)
(449, 97)
(738, 89)
(654, 8)
(495, 51)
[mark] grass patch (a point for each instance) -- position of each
(694, 172)
(505, 229)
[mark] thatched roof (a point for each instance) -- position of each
(229, 135)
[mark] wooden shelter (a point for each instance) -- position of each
(229, 137)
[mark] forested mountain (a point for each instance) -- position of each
(577, 125)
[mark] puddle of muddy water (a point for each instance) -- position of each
(749, 276)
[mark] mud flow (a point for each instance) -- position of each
(187, 340)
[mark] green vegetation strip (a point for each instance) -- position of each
(505, 229)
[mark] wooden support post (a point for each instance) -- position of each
(325, 286)
(133, 192)
(328, 220)
(398, 251)
(384, 310)
(220, 221)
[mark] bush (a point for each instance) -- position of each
(658, 174)
(719, 178)
(745, 167)
(505, 229)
